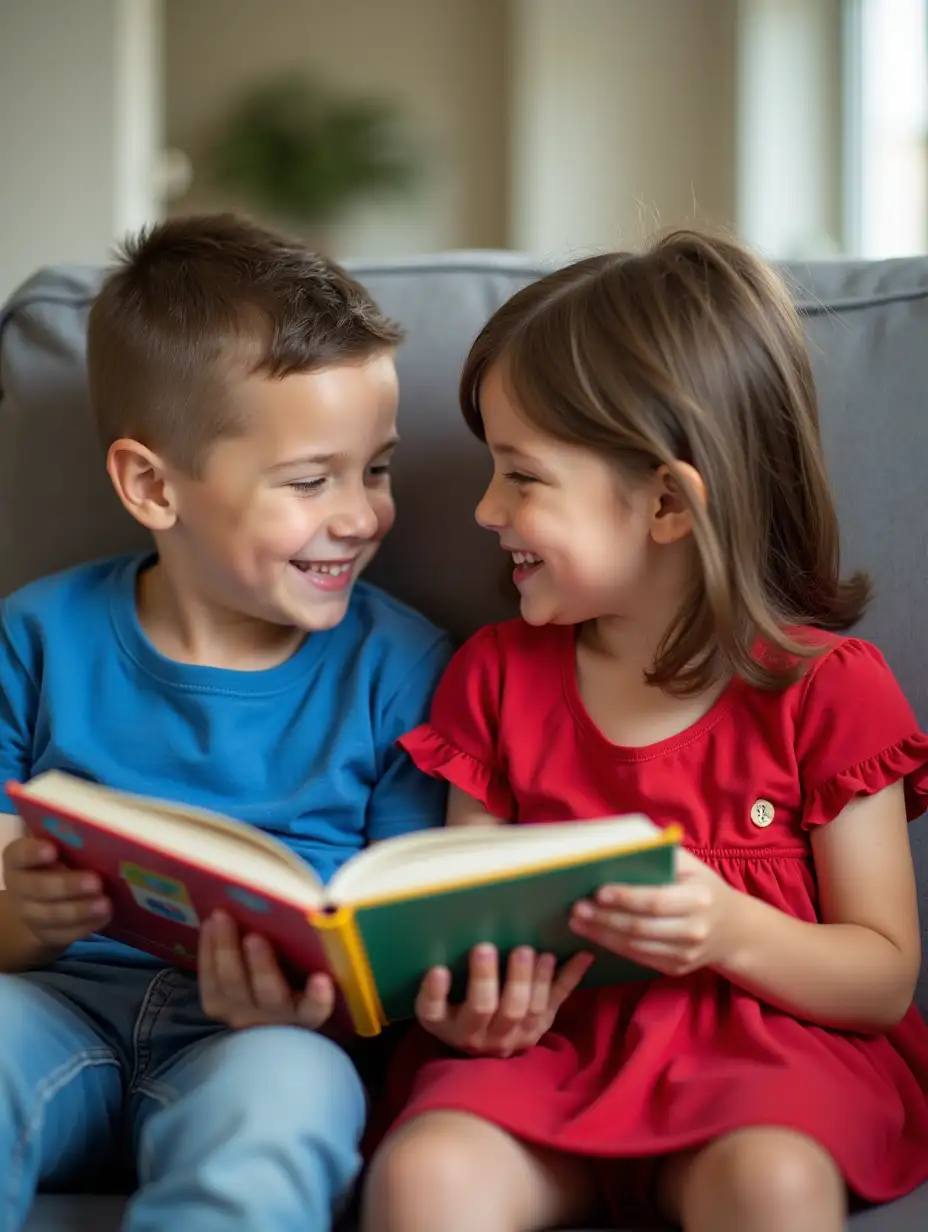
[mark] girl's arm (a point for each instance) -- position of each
(464, 810)
(857, 970)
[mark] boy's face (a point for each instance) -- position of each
(285, 516)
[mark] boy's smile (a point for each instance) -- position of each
(285, 515)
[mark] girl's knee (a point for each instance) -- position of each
(766, 1176)
(434, 1155)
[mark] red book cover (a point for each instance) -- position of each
(159, 898)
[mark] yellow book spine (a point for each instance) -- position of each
(348, 962)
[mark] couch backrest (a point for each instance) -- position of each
(867, 326)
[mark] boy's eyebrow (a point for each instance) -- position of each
(323, 459)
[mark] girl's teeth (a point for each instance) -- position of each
(525, 558)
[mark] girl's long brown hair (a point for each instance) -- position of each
(693, 352)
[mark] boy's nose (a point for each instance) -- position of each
(356, 520)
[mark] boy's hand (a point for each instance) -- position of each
(242, 985)
(674, 929)
(497, 1024)
(58, 905)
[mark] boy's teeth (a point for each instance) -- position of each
(526, 558)
(333, 570)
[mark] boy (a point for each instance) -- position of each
(246, 395)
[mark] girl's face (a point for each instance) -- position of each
(586, 543)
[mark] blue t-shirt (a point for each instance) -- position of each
(305, 750)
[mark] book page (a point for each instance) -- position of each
(232, 849)
(468, 853)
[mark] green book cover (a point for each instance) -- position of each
(405, 937)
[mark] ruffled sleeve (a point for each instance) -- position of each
(460, 741)
(857, 734)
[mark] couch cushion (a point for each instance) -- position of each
(82, 1214)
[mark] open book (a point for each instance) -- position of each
(389, 914)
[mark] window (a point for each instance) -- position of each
(886, 127)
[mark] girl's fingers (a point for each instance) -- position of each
(542, 984)
(432, 1007)
(516, 997)
(482, 999)
(683, 928)
(680, 898)
(568, 978)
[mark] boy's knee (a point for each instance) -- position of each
(286, 1080)
(774, 1172)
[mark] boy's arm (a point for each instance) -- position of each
(405, 799)
(19, 948)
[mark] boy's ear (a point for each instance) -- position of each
(672, 519)
(140, 478)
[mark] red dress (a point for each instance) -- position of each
(652, 1068)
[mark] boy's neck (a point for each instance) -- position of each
(184, 627)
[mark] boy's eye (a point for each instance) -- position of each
(306, 486)
(518, 477)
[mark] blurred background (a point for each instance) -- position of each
(388, 128)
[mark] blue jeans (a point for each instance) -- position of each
(226, 1130)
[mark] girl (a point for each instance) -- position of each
(659, 484)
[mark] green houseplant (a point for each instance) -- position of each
(304, 154)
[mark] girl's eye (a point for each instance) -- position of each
(307, 486)
(380, 471)
(518, 477)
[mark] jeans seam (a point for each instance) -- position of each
(164, 1095)
(46, 1091)
(145, 1023)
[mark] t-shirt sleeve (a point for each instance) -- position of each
(405, 799)
(18, 699)
(459, 743)
(857, 734)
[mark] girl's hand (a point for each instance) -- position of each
(674, 929)
(242, 985)
(491, 1023)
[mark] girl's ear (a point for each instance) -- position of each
(142, 484)
(671, 519)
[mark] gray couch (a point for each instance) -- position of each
(868, 325)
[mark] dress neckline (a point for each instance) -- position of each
(628, 752)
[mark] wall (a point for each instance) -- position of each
(444, 59)
(79, 96)
(623, 119)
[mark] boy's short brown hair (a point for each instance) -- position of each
(196, 304)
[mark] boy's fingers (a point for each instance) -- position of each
(77, 914)
(53, 887)
(270, 990)
(207, 982)
(432, 1001)
(231, 976)
(24, 853)
(318, 1002)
